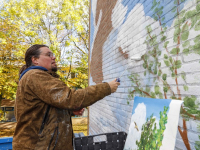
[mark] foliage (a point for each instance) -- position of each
(2, 115)
(151, 136)
(197, 143)
(191, 107)
(60, 24)
(156, 37)
(11, 50)
(74, 77)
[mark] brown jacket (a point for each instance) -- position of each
(36, 90)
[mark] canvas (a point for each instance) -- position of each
(154, 124)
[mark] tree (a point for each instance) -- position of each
(151, 136)
(79, 49)
(74, 76)
(60, 24)
(11, 50)
(10, 58)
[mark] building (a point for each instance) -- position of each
(156, 43)
(7, 107)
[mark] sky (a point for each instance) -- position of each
(150, 105)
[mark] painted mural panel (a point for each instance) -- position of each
(153, 124)
(158, 41)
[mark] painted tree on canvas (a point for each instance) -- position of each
(183, 23)
(151, 136)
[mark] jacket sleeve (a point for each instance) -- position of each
(56, 93)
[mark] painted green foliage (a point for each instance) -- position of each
(152, 65)
(161, 88)
(151, 136)
(191, 106)
(197, 143)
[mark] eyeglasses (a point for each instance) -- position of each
(49, 54)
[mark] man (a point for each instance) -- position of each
(44, 104)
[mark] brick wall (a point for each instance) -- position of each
(164, 37)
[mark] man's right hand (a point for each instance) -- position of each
(79, 112)
(114, 85)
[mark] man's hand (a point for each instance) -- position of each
(113, 85)
(79, 112)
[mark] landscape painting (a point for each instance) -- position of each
(154, 124)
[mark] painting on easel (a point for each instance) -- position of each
(153, 124)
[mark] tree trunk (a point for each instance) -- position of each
(184, 135)
(1, 97)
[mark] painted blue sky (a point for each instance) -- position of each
(150, 105)
(91, 26)
(167, 13)
(167, 4)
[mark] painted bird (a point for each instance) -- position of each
(136, 126)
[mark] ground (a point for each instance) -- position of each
(7, 129)
(79, 125)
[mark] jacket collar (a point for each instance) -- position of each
(54, 74)
(30, 68)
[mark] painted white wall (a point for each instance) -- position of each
(113, 113)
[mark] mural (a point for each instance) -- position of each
(153, 124)
(165, 36)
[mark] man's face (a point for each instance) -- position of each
(47, 59)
